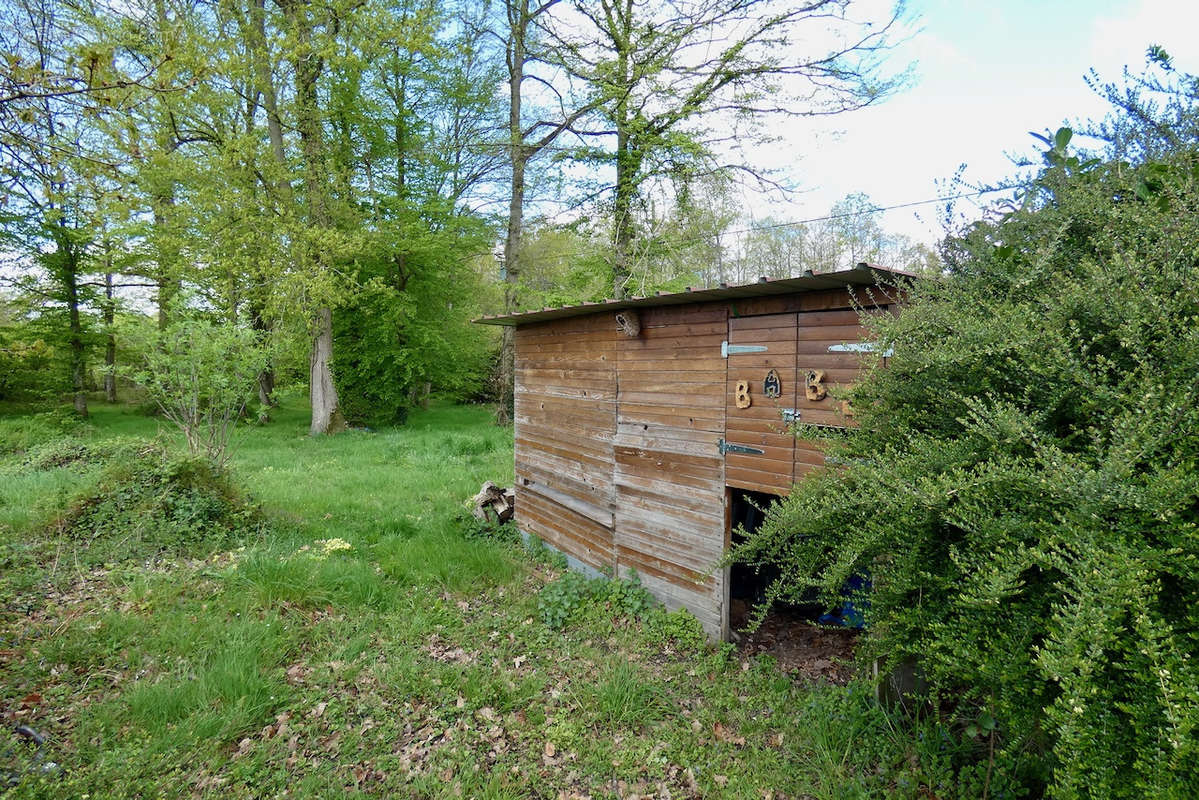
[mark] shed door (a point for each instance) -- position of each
(760, 396)
(825, 351)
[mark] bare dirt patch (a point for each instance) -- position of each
(803, 649)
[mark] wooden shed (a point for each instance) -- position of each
(640, 422)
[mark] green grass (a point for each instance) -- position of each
(355, 642)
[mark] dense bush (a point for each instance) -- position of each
(150, 504)
(1024, 488)
(409, 325)
(30, 366)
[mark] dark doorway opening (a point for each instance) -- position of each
(747, 584)
(790, 632)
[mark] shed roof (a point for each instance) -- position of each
(861, 275)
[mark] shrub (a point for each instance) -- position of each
(153, 504)
(201, 375)
(1023, 488)
(32, 366)
(574, 593)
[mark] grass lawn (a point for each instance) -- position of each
(356, 639)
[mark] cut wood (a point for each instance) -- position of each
(493, 504)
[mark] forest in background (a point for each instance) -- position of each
(350, 181)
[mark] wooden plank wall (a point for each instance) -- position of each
(669, 474)
(565, 426)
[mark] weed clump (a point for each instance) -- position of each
(153, 505)
(486, 529)
(20, 434)
(574, 595)
(72, 451)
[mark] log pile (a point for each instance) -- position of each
(493, 504)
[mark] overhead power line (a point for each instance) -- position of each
(874, 210)
(822, 218)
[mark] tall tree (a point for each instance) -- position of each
(45, 161)
(308, 63)
(526, 47)
(681, 79)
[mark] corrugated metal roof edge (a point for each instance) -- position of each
(861, 275)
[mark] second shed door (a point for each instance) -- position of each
(759, 449)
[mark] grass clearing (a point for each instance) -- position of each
(353, 637)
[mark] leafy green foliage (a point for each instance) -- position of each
(678, 629)
(561, 266)
(474, 528)
(409, 325)
(31, 368)
(1022, 490)
(563, 598)
(201, 374)
(153, 504)
(574, 594)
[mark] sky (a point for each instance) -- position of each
(984, 75)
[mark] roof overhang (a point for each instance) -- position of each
(862, 275)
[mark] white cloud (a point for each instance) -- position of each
(986, 78)
(1120, 39)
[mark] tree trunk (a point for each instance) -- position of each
(266, 378)
(166, 278)
(75, 341)
(518, 22)
(326, 414)
(266, 388)
(622, 222)
(512, 266)
(627, 163)
(400, 134)
(266, 87)
(308, 65)
(110, 339)
(163, 199)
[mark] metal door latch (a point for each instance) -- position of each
(790, 414)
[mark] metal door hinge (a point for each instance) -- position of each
(725, 447)
(859, 347)
(727, 349)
